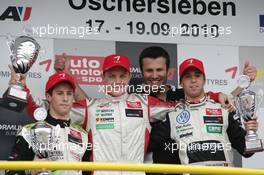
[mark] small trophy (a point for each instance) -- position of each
(247, 104)
(24, 51)
(43, 138)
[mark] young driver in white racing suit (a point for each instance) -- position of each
(203, 131)
(70, 140)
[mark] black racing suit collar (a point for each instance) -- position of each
(63, 123)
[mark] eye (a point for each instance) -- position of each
(59, 92)
(187, 76)
(70, 93)
(123, 76)
(198, 74)
(111, 76)
(160, 70)
(149, 70)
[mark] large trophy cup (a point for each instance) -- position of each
(24, 51)
(42, 137)
(247, 104)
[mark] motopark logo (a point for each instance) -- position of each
(16, 13)
(261, 23)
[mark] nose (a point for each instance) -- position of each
(193, 78)
(65, 97)
(118, 80)
(154, 75)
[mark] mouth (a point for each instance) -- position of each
(194, 87)
(64, 105)
(155, 81)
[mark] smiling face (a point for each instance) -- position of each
(193, 82)
(154, 71)
(116, 81)
(60, 100)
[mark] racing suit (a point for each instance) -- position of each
(204, 134)
(118, 127)
(71, 145)
(161, 155)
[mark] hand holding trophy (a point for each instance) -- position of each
(247, 104)
(24, 51)
(42, 137)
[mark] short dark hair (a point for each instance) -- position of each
(154, 52)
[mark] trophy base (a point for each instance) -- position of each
(14, 99)
(253, 146)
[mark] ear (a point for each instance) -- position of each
(204, 80)
(48, 97)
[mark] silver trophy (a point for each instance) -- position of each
(23, 53)
(247, 104)
(42, 137)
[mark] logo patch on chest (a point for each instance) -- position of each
(75, 137)
(136, 104)
(183, 117)
(213, 111)
(134, 113)
(213, 119)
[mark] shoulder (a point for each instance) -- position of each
(77, 127)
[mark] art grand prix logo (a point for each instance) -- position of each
(261, 23)
(16, 13)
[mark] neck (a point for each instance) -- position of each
(58, 116)
(194, 99)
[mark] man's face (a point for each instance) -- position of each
(116, 81)
(154, 71)
(61, 100)
(193, 83)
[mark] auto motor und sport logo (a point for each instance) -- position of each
(86, 69)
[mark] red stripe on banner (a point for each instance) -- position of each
(27, 13)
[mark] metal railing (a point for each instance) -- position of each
(164, 168)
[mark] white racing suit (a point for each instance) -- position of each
(204, 133)
(118, 127)
(70, 144)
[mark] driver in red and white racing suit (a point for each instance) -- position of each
(118, 125)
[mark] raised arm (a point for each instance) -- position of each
(63, 64)
(158, 109)
(248, 70)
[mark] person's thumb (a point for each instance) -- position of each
(247, 63)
